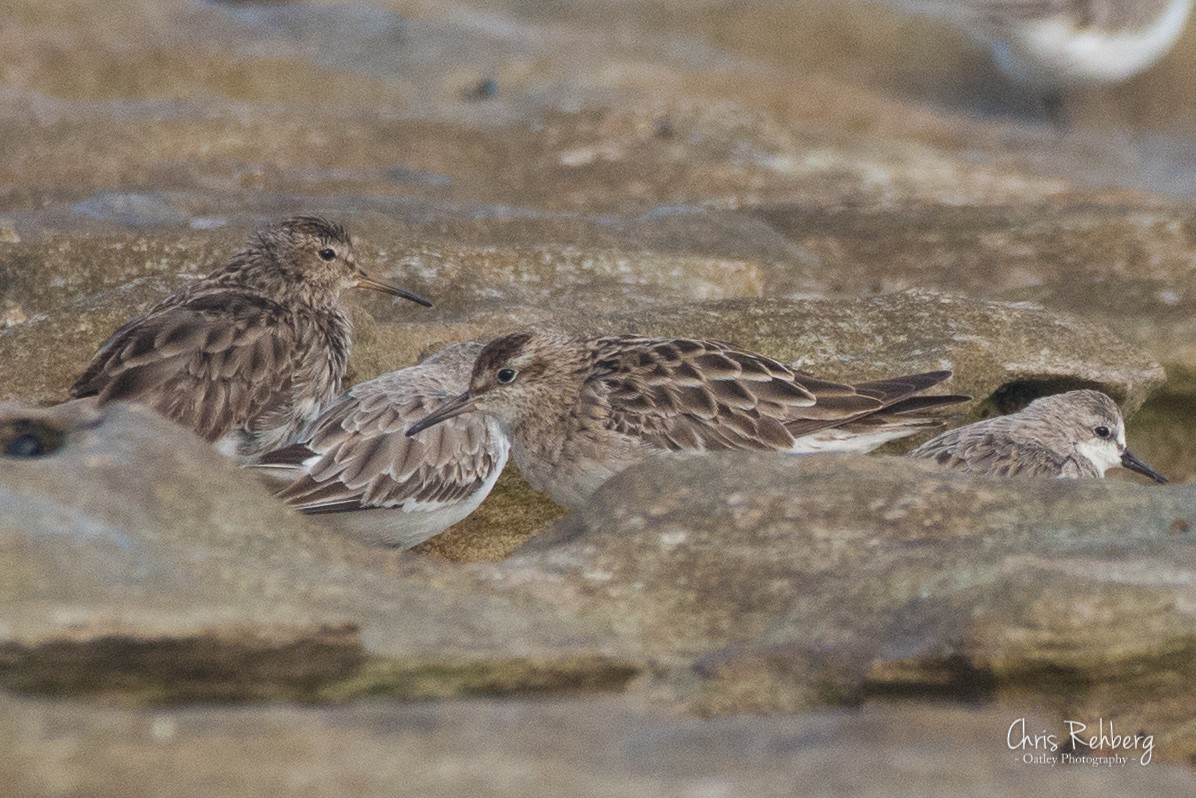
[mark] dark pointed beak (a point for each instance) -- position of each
(453, 407)
(1134, 464)
(365, 281)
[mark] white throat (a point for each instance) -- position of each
(1102, 454)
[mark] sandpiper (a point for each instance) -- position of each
(1068, 435)
(580, 410)
(384, 488)
(248, 355)
(1052, 46)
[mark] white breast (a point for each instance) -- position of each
(1051, 54)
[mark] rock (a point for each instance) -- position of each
(1122, 262)
(133, 210)
(139, 561)
(783, 176)
(609, 747)
(109, 278)
(778, 582)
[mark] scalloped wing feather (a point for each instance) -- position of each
(990, 448)
(358, 456)
(706, 395)
(214, 363)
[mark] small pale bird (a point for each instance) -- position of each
(250, 354)
(1068, 435)
(377, 485)
(580, 410)
(1052, 46)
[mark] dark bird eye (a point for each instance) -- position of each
(1102, 432)
(327, 253)
(506, 375)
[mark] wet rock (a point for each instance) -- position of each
(604, 747)
(137, 561)
(773, 581)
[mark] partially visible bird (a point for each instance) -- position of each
(1067, 435)
(1053, 46)
(356, 465)
(580, 410)
(248, 355)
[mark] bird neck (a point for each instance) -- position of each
(259, 272)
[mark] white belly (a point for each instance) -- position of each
(1052, 54)
(403, 528)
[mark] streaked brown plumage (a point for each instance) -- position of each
(579, 411)
(249, 354)
(1068, 435)
(356, 463)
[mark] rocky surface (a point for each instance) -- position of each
(785, 176)
(144, 567)
(602, 747)
(783, 582)
(137, 561)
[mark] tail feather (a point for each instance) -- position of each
(897, 388)
(917, 404)
(897, 417)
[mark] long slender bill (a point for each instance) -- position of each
(365, 281)
(453, 407)
(1130, 461)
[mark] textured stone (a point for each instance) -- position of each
(606, 747)
(138, 561)
(777, 582)
(1124, 262)
(738, 170)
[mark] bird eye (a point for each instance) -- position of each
(1102, 432)
(506, 376)
(327, 253)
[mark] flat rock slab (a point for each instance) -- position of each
(780, 582)
(138, 561)
(1123, 261)
(600, 747)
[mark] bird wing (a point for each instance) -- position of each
(706, 395)
(991, 450)
(898, 405)
(357, 455)
(212, 363)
